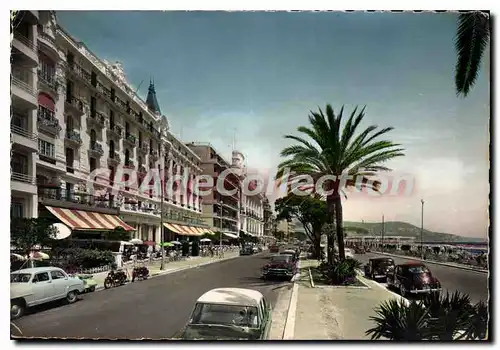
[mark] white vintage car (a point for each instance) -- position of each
(229, 313)
(38, 285)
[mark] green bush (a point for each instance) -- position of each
(85, 258)
(340, 272)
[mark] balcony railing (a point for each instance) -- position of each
(22, 178)
(47, 37)
(120, 103)
(74, 136)
(76, 197)
(154, 155)
(23, 85)
(80, 72)
(48, 123)
(48, 80)
(29, 43)
(103, 90)
(23, 132)
(98, 118)
(96, 148)
(76, 103)
(131, 139)
(115, 130)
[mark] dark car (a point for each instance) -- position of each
(282, 265)
(246, 250)
(414, 278)
(377, 268)
(274, 249)
(359, 250)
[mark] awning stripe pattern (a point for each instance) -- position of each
(87, 220)
(183, 230)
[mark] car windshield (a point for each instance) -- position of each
(383, 262)
(20, 277)
(198, 331)
(280, 258)
(221, 314)
(418, 269)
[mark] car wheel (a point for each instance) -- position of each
(16, 309)
(108, 283)
(72, 297)
(92, 289)
(402, 290)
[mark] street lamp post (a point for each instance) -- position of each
(220, 223)
(162, 228)
(383, 232)
(422, 231)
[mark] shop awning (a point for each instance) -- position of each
(87, 220)
(230, 235)
(183, 230)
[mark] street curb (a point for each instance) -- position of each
(311, 281)
(100, 288)
(434, 262)
(289, 330)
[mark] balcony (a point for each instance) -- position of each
(130, 139)
(103, 90)
(75, 200)
(27, 48)
(48, 83)
(121, 104)
(143, 148)
(97, 119)
(21, 182)
(95, 149)
(80, 73)
(73, 137)
(75, 105)
(114, 158)
(154, 155)
(23, 93)
(24, 138)
(47, 44)
(115, 131)
(48, 124)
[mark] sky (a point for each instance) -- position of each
(254, 77)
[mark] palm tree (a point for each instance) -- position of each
(473, 32)
(335, 152)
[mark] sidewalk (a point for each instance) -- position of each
(170, 267)
(455, 265)
(335, 313)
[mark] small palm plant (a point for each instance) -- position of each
(395, 320)
(439, 316)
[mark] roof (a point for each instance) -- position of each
(151, 100)
(376, 259)
(232, 296)
(37, 269)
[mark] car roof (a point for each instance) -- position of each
(232, 296)
(37, 269)
(413, 263)
(381, 259)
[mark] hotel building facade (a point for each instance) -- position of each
(83, 142)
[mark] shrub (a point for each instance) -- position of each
(85, 258)
(340, 272)
(405, 247)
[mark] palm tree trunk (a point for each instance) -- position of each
(330, 205)
(339, 226)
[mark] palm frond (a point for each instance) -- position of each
(472, 37)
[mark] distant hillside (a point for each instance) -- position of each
(398, 228)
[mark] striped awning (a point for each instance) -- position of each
(230, 235)
(88, 220)
(183, 230)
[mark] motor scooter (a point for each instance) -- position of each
(89, 282)
(140, 273)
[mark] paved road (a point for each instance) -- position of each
(470, 282)
(155, 308)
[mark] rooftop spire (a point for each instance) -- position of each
(151, 100)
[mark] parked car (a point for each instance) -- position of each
(282, 265)
(293, 253)
(359, 250)
(414, 278)
(255, 249)
(246, 250)
(378, 268)
(229, 314)
(39, 285)
(274, 249)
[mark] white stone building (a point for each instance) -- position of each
(88, 118)
(251, 206)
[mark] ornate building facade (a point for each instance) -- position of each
(90, 143)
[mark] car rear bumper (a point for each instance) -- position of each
(278, 273)
(425, 291)
(379, 276)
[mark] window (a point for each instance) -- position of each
(127, 128)
(92, 107)
(57, 275)
(69, 123)
(47, 70)
(140, 139)
(69, 90)
(41, 277)
(111, 148)
(93, 137)
(19, 121)
(111, 118)
(16, 209)
(69, 190)
(19, 163)
(45, 113)
(127, 157)
(93, 164)
(139, 160)
(150, 146)
(69, 157)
